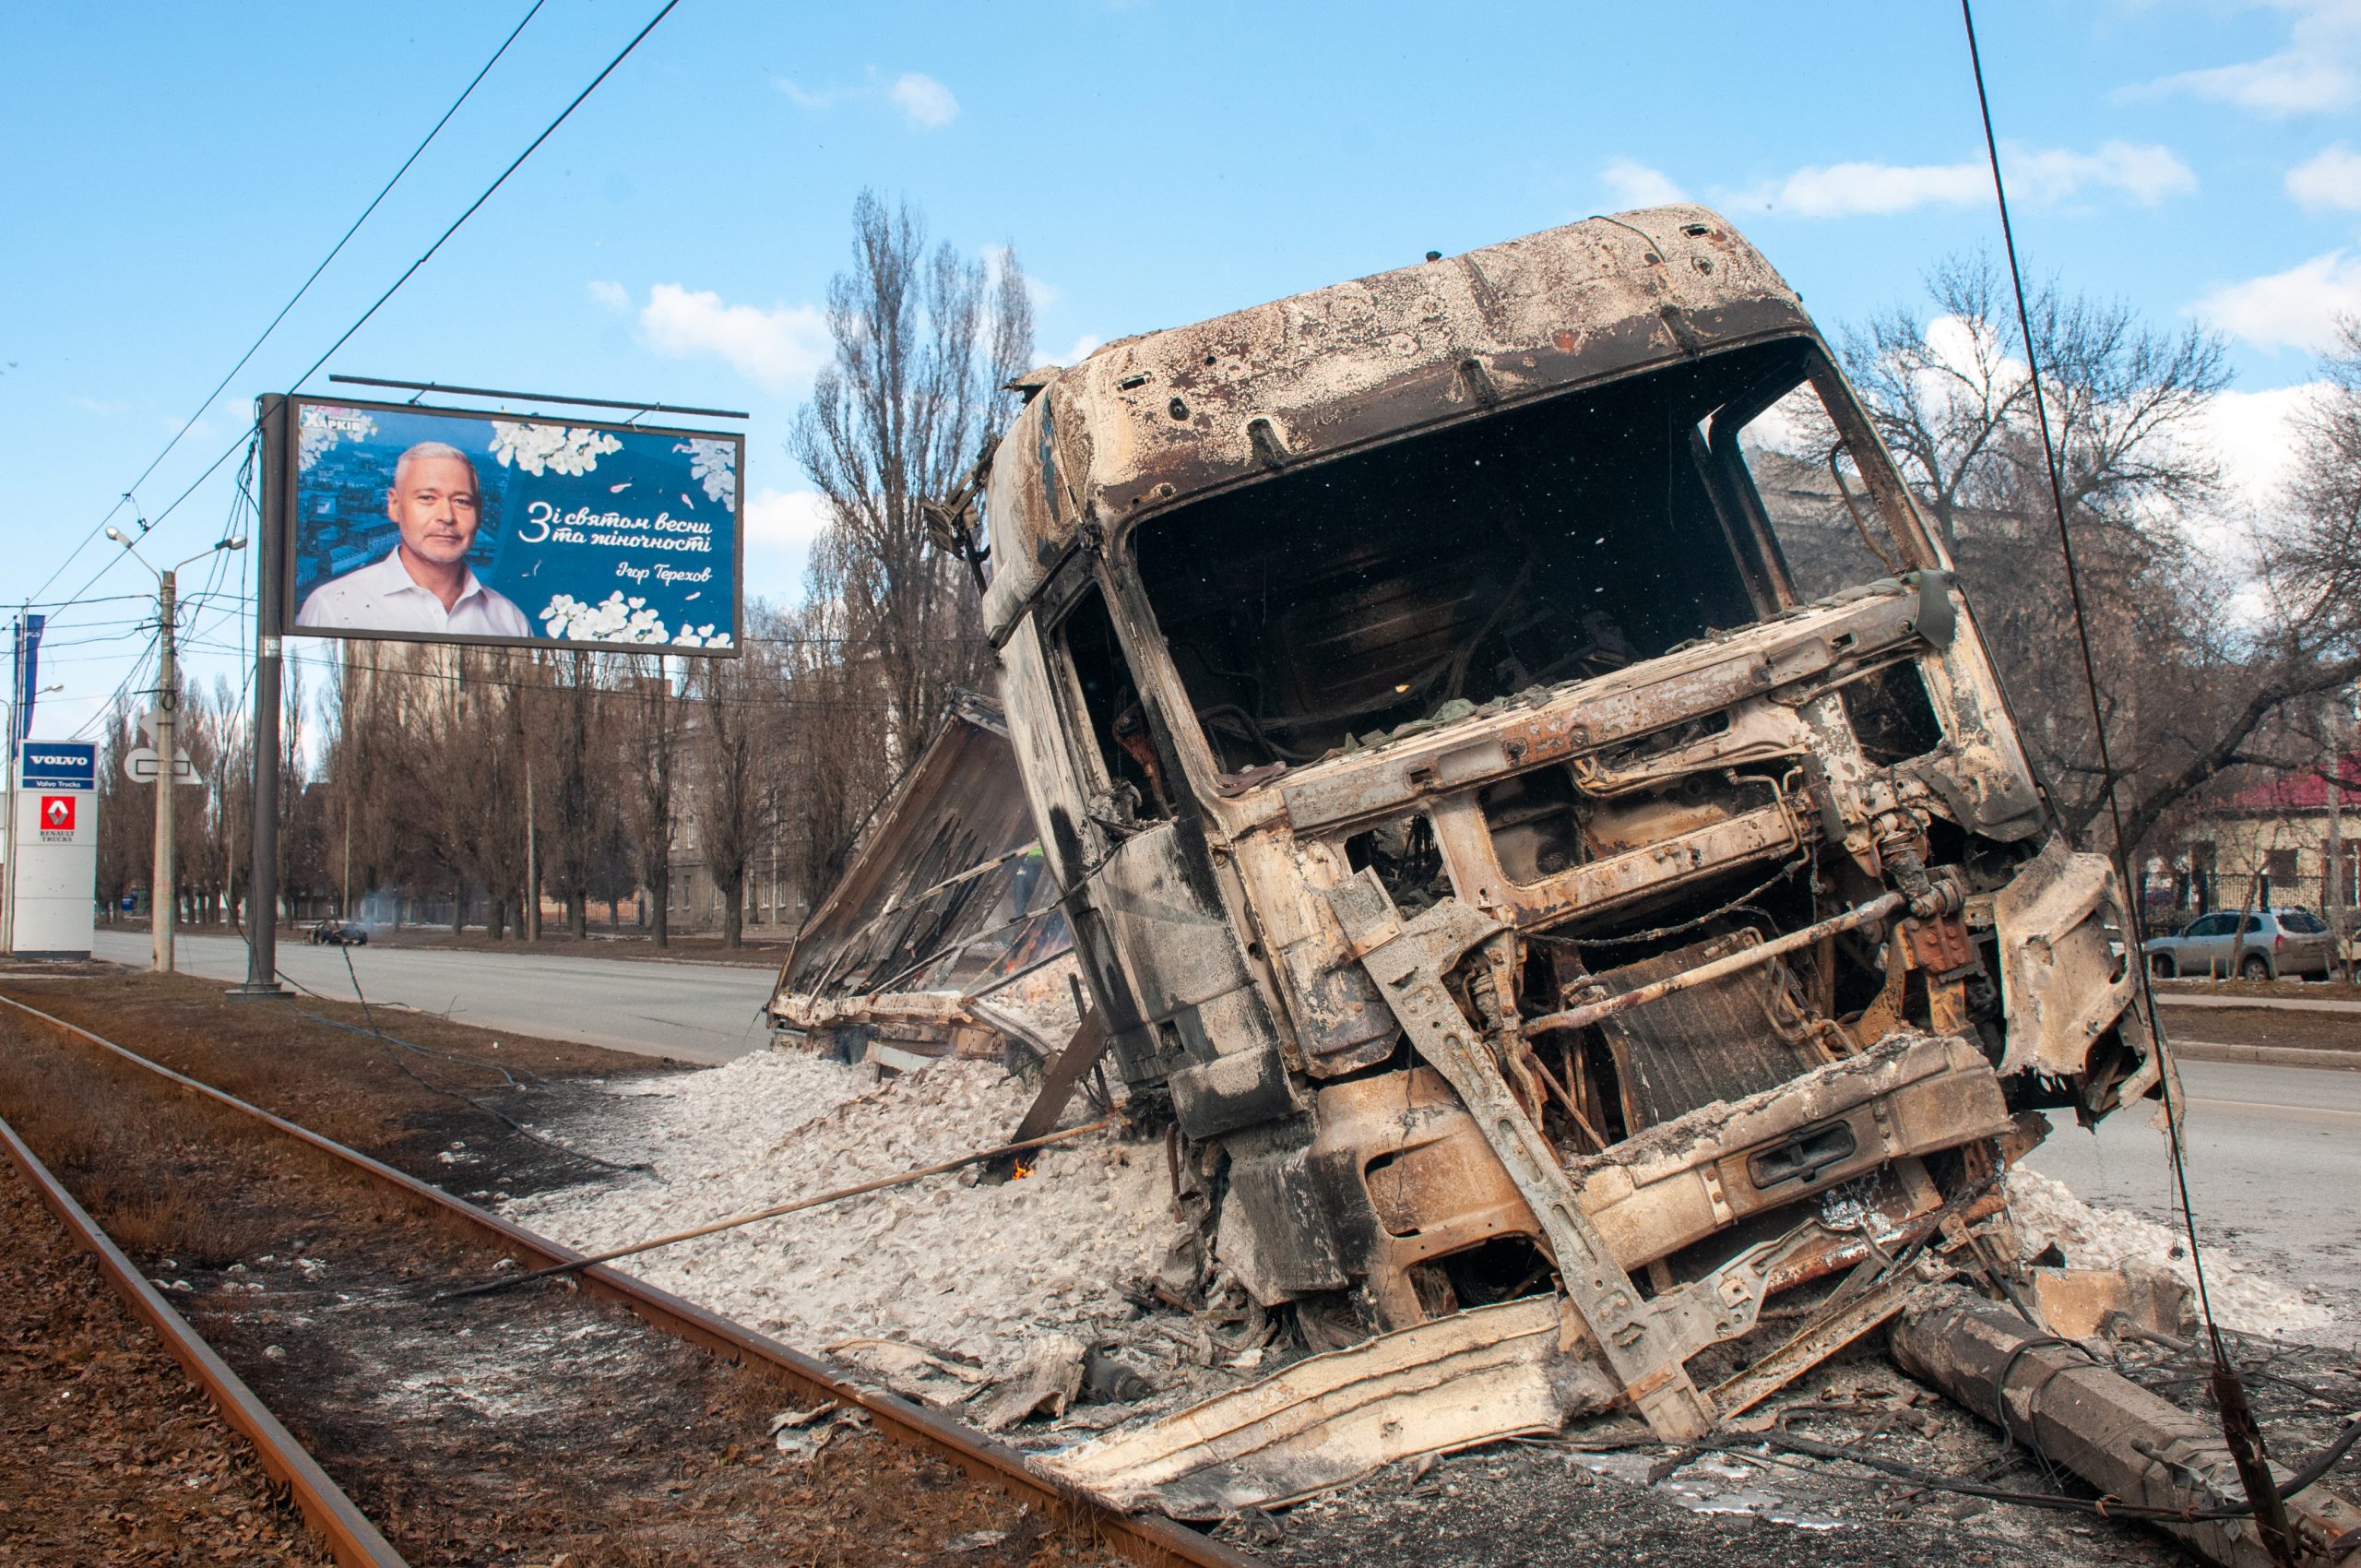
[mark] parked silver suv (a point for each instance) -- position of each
(2274, 943)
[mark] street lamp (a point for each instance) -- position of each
(161, 911)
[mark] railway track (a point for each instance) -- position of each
(468, 1232)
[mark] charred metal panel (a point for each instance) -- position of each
(2063, 983)
(1146, 423)
(947, 898)
(1277, 1231)
(913, 895)
(1190, 981)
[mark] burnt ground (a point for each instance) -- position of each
(113, 1456)
(2290, 988)
(1547, 1502)
(2264, 1026)
(498, 1429)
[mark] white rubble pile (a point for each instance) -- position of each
(979, 1271)
(2244, 1299)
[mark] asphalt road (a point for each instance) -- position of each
(704, 1013)
(2274, 1158)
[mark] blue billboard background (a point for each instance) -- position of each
(598, 533)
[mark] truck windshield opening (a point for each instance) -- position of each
(1323, 608)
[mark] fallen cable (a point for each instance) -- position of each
(777, 1209)
(2102, 1507)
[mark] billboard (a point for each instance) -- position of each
(445, 525)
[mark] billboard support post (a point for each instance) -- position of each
(270, 566)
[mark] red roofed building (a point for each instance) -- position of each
(2270, 844)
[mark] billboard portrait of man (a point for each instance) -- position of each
(423, 584)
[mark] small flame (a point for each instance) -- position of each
(1023, 1171)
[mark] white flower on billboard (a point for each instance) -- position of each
(323, 426)
(701, 637)
(613, 620)
(556, 448)
(714, 464)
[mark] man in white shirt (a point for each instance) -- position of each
(425, 585)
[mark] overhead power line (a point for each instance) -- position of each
(293, 300)
(253, 430)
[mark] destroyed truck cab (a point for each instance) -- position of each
(1530, 794)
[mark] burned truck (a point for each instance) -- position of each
(1530, 796)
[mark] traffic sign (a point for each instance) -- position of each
(139, 765)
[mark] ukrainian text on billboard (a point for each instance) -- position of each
(439, 524)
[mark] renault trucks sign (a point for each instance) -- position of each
(449, 526)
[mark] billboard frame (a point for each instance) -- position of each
(280, 515)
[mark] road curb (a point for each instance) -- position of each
(2266, 1056)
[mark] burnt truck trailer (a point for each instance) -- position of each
(1530, 794)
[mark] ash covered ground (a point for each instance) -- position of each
(952, 1263)
(950, 1287)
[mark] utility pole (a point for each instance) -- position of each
(164, 908)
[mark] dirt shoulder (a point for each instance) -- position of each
(764, 947)
(2270, 1026)
(2288, 990)
(405, 1094)
(114, 1455)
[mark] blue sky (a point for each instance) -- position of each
(175, 171)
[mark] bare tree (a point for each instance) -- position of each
(580, 804)
(655, 751)
(729, 791)
(924, 342)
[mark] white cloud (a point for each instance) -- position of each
(1844, 190)
(785, 517)
(2314, 73)
(776, 347)
(1636, 184)
(612, 295)
(1083, 346)
(927, 104)
(2281, 85)
(2295, 309)
(2330, 177)
(781, 528)
(2252, 436)
(2147, 174)
(820, 98)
